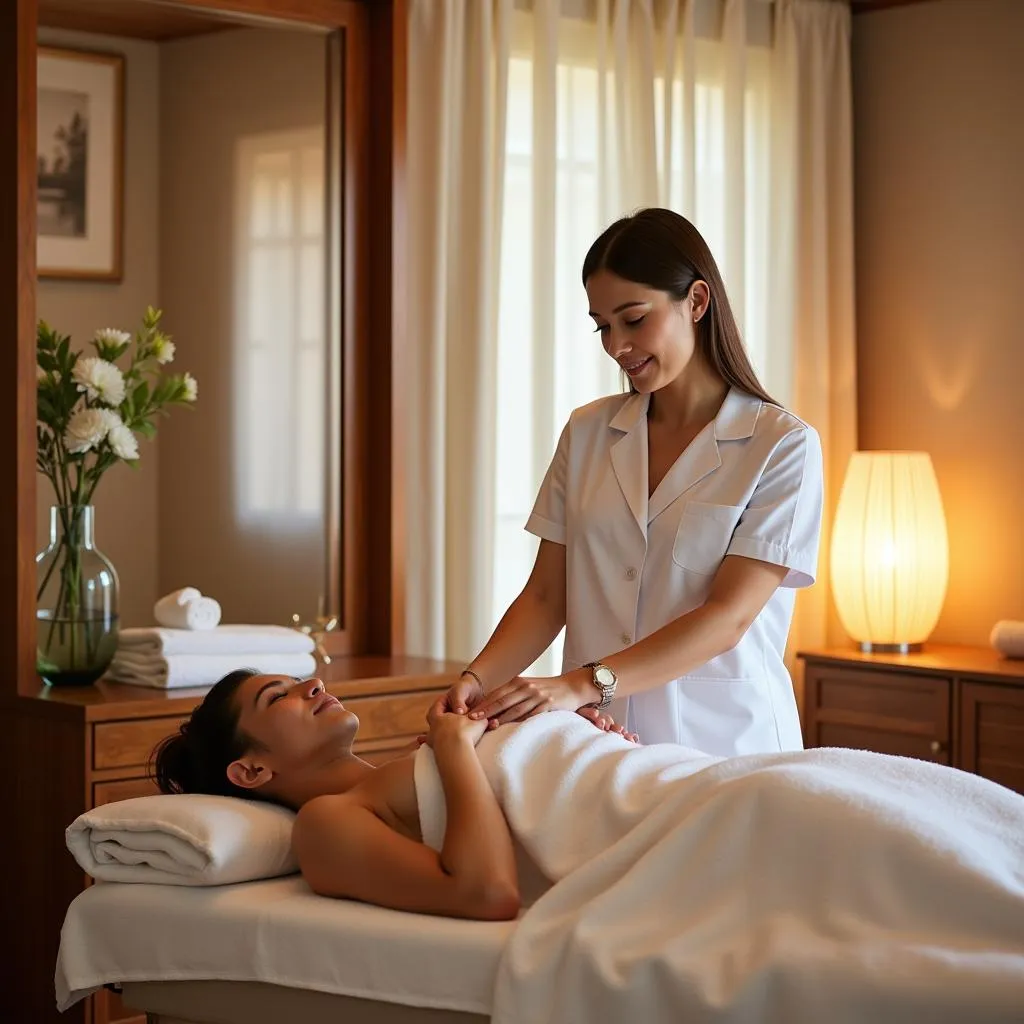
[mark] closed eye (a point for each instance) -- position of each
(600, 328)
(275, 697)
(636, 323)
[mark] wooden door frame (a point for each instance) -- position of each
(374, 280)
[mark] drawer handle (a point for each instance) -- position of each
(936, 747)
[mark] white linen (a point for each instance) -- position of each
(749, 485)
(188, 609)
(237, 639)
(279, 932)
(182, 670)
(786, 888)
(183, 839)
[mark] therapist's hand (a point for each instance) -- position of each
(465, 693)
(606, 723)
(526, 696)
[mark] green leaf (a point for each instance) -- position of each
(140, 395)
(146, 429)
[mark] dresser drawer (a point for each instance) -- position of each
(123, 789)
(992, 732)
(885, 711)
(385, 717)
(129, 744)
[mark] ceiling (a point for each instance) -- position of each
(137, 19)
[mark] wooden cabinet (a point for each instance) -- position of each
(93, 746)
(962, 706)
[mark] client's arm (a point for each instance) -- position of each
(346, 850)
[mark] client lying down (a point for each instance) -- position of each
(811, 885)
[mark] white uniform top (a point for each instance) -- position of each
(749, 484)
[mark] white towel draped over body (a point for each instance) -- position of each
(180, 657)
(794, 888)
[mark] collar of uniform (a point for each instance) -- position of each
(735, 420)
(737, 416)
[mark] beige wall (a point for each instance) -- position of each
(127, 519)
(939, 153)
(216, 90)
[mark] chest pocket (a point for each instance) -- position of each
(703, 536)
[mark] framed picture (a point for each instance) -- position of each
(80, 154)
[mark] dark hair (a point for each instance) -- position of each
(662, 250)
(196, 758)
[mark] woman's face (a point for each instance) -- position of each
(650, 335)
(293, 722)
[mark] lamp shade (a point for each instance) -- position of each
(890, 554)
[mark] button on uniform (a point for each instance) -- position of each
(631, 573)
(626, 638)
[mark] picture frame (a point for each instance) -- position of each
(80, 162)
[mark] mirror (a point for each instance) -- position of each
(230, 225)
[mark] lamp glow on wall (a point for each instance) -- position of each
(890, 553)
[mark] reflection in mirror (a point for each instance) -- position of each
(230, 222)
(243, 271)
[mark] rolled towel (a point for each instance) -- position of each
(237, 640)
(187, 609)
(180, 670)
(1007, 638)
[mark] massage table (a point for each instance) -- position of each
(273, 952)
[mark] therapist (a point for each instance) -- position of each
(675, 522)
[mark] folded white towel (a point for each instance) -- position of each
(184, 839)
(187, 609)
(222, 640)
(178, 670)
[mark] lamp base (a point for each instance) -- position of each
(869, 648)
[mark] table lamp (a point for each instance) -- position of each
(890, 554)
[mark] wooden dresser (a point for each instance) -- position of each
(91, 746)
(961, 706)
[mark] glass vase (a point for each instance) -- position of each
(76, 602)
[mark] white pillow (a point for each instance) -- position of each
(183, 839)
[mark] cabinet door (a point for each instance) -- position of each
(992, 732)
(884, 711)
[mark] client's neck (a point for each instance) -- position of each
(336, 774)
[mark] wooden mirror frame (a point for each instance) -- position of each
(368, 557)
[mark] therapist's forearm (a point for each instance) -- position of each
(525, 632)
(675, 650)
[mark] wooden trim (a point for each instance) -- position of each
(871, 6)
(946, 659)
(327, 14)
(17, 353)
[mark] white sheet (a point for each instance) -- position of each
(820, 885)
(279, 932)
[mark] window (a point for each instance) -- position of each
(539, 383)
(280, 343)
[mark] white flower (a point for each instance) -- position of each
(87, 428)
(112, 336)
(163, 349)
(99, 380)
(40, 374)
(191, 388)
(123, 442)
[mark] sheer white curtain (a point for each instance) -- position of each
(612, 105)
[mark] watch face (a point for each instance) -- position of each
(604, 676)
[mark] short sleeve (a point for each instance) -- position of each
(547, 520)
(782, 521)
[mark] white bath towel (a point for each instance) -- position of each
(180, 670)
(187, 609)
(819, 885)
(183, 840)
(163, 642)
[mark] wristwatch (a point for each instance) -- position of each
(605, 680)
